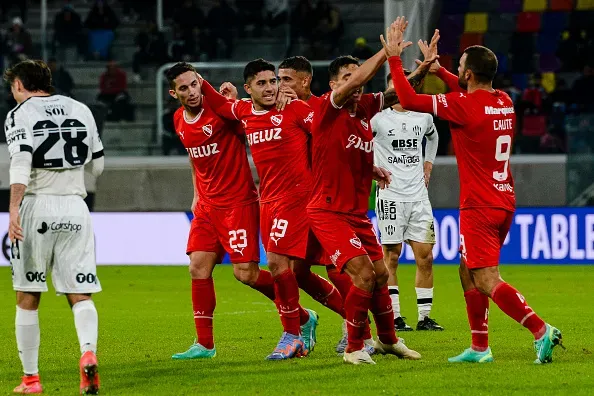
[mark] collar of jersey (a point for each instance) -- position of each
(258, 112)
(192, 121)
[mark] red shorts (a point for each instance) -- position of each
(345, 236)
(482, 232)
(234, 230)
(285, 229)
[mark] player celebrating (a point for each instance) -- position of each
(278, 142)
(342, 167)
(483, 122)
(50, 140)
(403, 208)
(225, 205)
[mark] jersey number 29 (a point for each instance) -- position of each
(72, 132)
(502, 152)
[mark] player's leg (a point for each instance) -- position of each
(423, 253)
(391, 255)
(508, 299)
(392, 223)
(204, 251)
(29, 260)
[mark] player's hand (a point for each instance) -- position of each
(382, 176)
(429, 52)
(394, 42)
(200, 79)
(427, 168)
(284, 97)
(15, 231)
(229, 91)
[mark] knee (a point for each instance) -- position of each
(392, 255)
(198, 270)
(247, 275)
(381, 276)
(364, 277)
(425, 261)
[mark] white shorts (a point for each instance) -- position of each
(58, 238)
(405, 221)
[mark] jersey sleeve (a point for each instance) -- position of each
(96, 143)
(453, 107)
(304, 114)
(326, 111)
(18, 133)
(375, 125)
(220, 104)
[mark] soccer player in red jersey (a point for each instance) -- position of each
(482, 121)
(296, 73)
(278, 143)
(225, 204)
(342, 167)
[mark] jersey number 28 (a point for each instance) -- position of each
(72, 132)
(502, 152)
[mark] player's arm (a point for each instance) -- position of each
(359, 78)
(304, 114)
(415, 79)
(429, 52)
(224, 107)
(20, 149)
(430, 151)
(195, 198)
(97, 164)
(450, 79)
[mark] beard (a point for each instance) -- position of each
(462, 83)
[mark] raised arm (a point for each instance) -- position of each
(220, 104)
(450, 79)
(430, 52)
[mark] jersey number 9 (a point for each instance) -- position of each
(502, 152)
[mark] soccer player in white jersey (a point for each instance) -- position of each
(403, 208)
(50, 140)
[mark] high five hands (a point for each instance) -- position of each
(394, 43)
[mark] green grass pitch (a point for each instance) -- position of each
(145, 316)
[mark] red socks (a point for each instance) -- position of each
(381, 307)
(357, 305)
(265, 284)
(204, 303)
(322, 291)
(477, 308)
(287, 293)
(513, 304)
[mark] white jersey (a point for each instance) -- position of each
(398, 147)
(62, 137)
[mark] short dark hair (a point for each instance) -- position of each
(34, 74)
(256, 66)
(389, 76)
(176, 70)
(482, 62)
(297, 63)
(340, 62)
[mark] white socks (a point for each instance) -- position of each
(86, 322)
(27, 336)
(424, 301)
(395, 297)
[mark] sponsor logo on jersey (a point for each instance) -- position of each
(408, 160)
(335, 256)
(35, 276)
(356, 142)
(309, 118)
(203, 151)
(276, 119)
(59, 227)
(207, 129)
(181, 134)
(16, 135)
(266, 135)
(391, 133)
(490, 110)
(404, 127)
(86, 278)
(500, 102)
(404, 144)
(441, 98)
(244, 122)
(504, 187)
(356, 242)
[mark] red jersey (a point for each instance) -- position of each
(342, 155)
(315, 102)
(217, 151)
(278, 142)
(482, 125)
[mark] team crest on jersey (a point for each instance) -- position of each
(417, 130)
(365, 124)
(356, 242)
(207, 129)
(276, 119)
